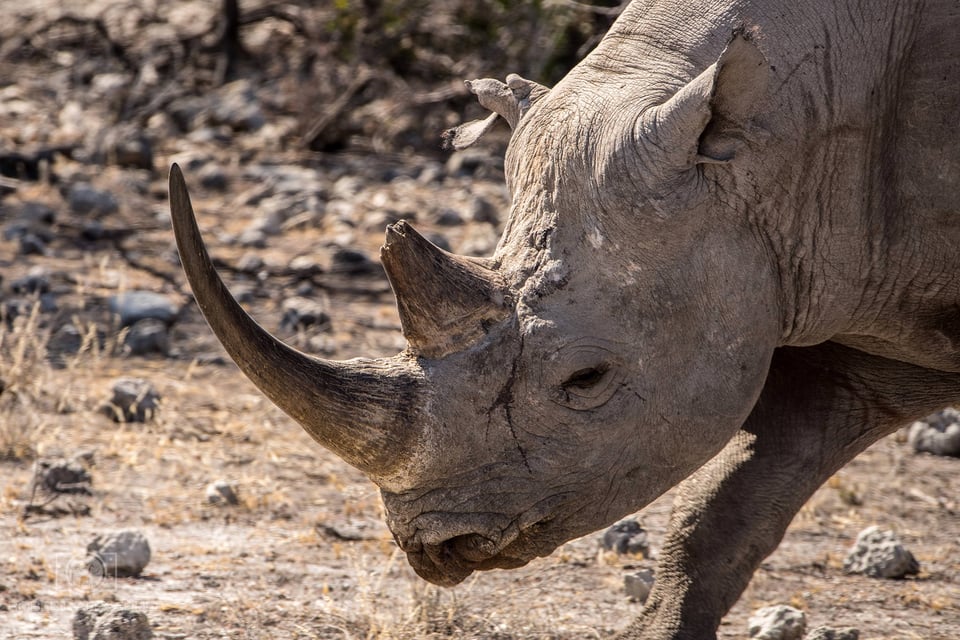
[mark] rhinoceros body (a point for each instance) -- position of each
(730, 263)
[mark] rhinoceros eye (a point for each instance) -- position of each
(585, 378)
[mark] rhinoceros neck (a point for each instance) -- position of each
(859, 198)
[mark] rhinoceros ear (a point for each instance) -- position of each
(708, 120)
(509, 101)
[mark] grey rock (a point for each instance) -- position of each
(102, 621)
(638, 585)
(236, 105)
(481, 240)
(31, 225)
(62, 476)
(65, 340)
(93, 230)
(122, 554)
(84, 199)
(212, 176)
(347, 187)
(222, 493)
(186, 112)
(626, 536)
(481, 210)
(299, 312)
(879, 553)
(352, 262)
(245, 292)
(449, 218)
(36, 281)
(134, 306)
(472, 162)
(128, 146)
(778, 622)
(37, 213)
(828, 633)
(249, 263)
(48, 303)
(304, 266)
(253, 237)
(351, 530)
(31, 245)
(147, 336)
(439, 240)
(430, 173)
(133, 400)
(938, 433)
(305, 289)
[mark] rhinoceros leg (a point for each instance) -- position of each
(820, 407)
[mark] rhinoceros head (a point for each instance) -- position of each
(615, 341)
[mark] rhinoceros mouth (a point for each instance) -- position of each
(445, 548)
(451, 562)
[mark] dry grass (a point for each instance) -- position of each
(23, 385)
(34, 392)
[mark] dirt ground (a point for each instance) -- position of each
(305, 553)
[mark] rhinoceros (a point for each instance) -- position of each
(730, 264)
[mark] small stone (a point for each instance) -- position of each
(93, 230)
(879, 553)
(37, 213)
(128, 147)
(351, 262)
(36, 281)
(134, 400)
(346, 187)
(147, 336)
(122, 554)
(134, 306)
(480, 240)
(304, 266)
(236, 106)
(828, 633)
(626, 536)
(481, 210)
(62, 476)
(253, 237)
(439, 240)
(102, 621)
(249, 263)
(449, 218)
(299, 312)
(84, 199)
(31, 245)
(431, 172)
(222, 493)
(778, 622)
(213, 177)
(938, 434)
(471, 163)
(638, 585)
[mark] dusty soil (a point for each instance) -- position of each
(306, 554)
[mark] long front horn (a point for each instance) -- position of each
(362, 410)
(445, 301)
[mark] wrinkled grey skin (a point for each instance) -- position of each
(731, 253)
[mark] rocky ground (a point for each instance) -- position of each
(96, 100)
